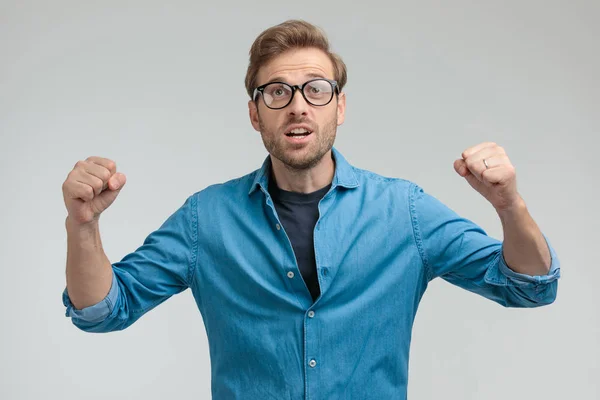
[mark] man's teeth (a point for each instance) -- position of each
(299, 132)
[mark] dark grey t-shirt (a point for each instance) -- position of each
(299, 212)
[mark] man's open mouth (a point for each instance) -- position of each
(298, 132)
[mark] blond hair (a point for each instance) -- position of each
(286, 36)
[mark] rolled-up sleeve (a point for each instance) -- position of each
(460, 252)
(519, 279)
(96, 312)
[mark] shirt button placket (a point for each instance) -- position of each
(311, 352)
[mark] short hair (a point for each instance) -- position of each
(289, 35)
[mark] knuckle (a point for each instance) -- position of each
(69, 181)
(97, 185)
(105, 175)
(88, 192)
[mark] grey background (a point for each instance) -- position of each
(159, 89)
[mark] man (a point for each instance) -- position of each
(308, 271)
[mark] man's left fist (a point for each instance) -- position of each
(489, 171)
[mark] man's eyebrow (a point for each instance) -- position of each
(276, 79)
(309, 75)
(315, 75)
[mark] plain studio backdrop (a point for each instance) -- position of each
(159, 88)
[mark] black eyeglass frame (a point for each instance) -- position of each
(260, 89)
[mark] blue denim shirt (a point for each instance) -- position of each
(378, 242)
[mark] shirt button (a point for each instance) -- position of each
(311, 314)
(290, 274)
(312, 363)
(278, 226)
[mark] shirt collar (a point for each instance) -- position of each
(344, 175)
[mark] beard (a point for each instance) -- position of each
(289, 154)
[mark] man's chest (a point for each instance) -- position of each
(246, 257)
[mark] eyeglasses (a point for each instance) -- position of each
(277, 95)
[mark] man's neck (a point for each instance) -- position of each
(304, 181)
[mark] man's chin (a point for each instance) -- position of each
(301, 161)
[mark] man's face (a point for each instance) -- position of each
(296, 67)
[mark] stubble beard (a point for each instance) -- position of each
(276, 144)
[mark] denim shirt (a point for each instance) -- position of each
(378, 242)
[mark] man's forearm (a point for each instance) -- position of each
(89, 272)
(525, 249)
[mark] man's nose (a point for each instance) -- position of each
(298, 106)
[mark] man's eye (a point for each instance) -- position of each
(278, 92)
(315, 90)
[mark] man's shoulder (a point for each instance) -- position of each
(230, 189)
(371, 178)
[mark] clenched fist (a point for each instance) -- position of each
(488, 170)
(90, 188)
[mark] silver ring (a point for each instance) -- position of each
(486, 164)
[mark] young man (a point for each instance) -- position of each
(308, 271)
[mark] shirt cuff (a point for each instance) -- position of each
(529, 280)
(97, 312)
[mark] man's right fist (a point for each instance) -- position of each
(90, 188)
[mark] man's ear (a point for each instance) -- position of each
(341, 108)
(253, 112)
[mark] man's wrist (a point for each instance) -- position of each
(514, 211)
(81, 228)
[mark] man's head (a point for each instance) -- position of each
(294, 53)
